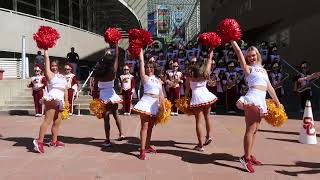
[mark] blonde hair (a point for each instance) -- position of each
(253, 48)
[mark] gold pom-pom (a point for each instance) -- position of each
(98, 107)
(183, 104)
(276, 115)
(65, 112)
(163, 116)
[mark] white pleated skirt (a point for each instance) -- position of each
(147, 105)
(109, 95)
(256, 98)
(202, 97)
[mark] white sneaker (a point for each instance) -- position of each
(70, 114)
(212, 113)
(172, 114)
(176, 114)
(38, 115)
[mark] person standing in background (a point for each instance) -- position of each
(73, 59)
(39, 59)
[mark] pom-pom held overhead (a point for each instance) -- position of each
(229, 30)
(112, 35)
(276, 115)
(138, 38)
(210, 39)
(46, 37)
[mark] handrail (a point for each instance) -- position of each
(48, 20)
(297, 71)
(80, 90)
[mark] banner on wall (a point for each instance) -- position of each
(163, 21)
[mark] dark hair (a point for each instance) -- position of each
(104, 66)
(156, 68)
(199, 68)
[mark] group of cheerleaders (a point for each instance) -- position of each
(253, 103)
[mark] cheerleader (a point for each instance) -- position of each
(253, 103)
(54, 102)
(148, 105)
(202, 99)
(72, 85)
(174, 81)
(105, 73)
(127, 84)
(38, 84)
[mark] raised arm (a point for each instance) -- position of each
(210, 61)
(142, 68)
(48, 71)
(241, 58)
(116, 58)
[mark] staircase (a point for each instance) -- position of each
(22, 104)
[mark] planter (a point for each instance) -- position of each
(1, 74)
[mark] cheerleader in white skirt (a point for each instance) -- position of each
(54, 103)
(202, 98)
(148, 105)
(105, 73)
(254, 102)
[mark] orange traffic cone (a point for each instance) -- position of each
(308, 131)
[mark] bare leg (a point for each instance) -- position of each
(149, 132)
(48, 118)
(199, 127)
(114, 110)
(56, 125)
(107, 125)
(252, 116)
(144, 130)
(206, 112)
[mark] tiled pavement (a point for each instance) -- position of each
(84, 158)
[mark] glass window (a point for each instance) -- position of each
(76, 13)
(85, 14)
(64, 11)
(7, 4)
(48, 4)
(27, 7)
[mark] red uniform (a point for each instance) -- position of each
(72, 86)
(232, 90)
(38, 84)
(127, 89)
(174, 80)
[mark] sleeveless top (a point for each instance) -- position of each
(57, 82)
(258, 76)
(153, 85)
(198, 84)
(106, 85)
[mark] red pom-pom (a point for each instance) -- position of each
(209, 39)
(135, 47)
(112, 35)
(229, 30)
(144, 36)
(134, 34)
(46, 37)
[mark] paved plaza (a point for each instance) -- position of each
(84, 157)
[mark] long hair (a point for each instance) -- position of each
(198, 70)
(104, 66)
(253, 48)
